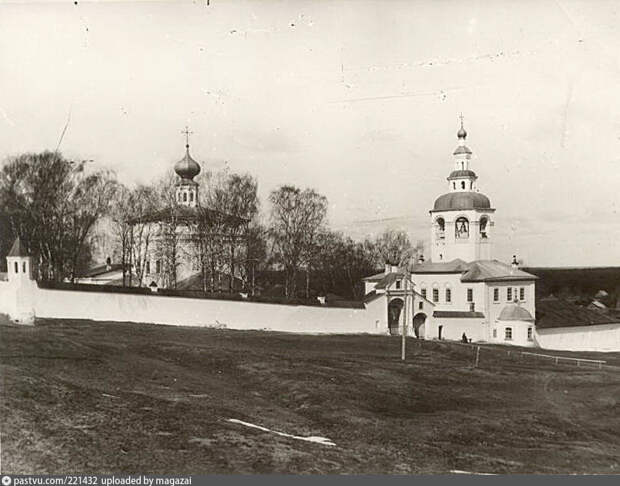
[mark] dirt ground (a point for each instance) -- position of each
(85, 397)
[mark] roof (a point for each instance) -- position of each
(494, 270)
(454, 266)
(457, 314)
(461, 200)
(514, 312)
(462, 173)
(101, 270)
(18, 250)
(372, 295)
(375, 278)
(186, 214)
(389, 279)
(462, 149)
(552, 312)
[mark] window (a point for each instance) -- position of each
(184, 197)
(191, 197)
(448, 295)
(398, 284)
(522, 294)
(423, 292)
(454, 185)
(483, 227)
(461, 228)
(440, 228)
(529, 333)
(470, 295)
(462, 184)
(16, 267)
(435, 295)
(496, 295)
(421, 305)
(508, 334)
(158, 266)
(509, 294)
(24, 267)
(148, 266)
(471, 184)
(494, 333)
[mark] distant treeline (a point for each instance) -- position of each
(579, 283)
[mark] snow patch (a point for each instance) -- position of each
(315, 439)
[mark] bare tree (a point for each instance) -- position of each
(296, 218)
(53, 204)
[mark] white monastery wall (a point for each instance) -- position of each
(102, 306)
(605, 337)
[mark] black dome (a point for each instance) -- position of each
(187, 168)
(462, 173)
(462, 200)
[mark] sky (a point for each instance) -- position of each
(359, 100)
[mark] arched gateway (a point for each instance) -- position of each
(395, 307)
(418, 325)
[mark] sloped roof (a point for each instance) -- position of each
(389, 279)
(454, 266)
(514, 312)
(375, 278)
(457, 314)
(18, 250)
(552, 312)
(494, 270)
(102, 270)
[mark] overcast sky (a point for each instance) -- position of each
(356, 99)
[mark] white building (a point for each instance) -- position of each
(174, 256)
(461, 292)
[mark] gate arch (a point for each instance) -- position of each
(395, 308)
(419, 327)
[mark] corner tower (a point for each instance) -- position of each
(461, 218)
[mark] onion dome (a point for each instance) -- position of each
(461, 133)
(514, 312)
(187, 168)
(462, 200)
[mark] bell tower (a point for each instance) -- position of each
(461, 218)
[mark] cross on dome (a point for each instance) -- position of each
(187, 134)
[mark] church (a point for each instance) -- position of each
(184, 249)
(461, 293)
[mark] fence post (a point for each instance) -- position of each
(477, 356)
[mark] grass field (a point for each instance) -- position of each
(87, 397)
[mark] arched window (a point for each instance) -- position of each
(191, 197)
(440, 228)
(454, 185)
(24, 267)
(448, 294)
(435, 292)
(483, 227)
(471, 184)
(184, 197)
(16, 267)
(461, 227)
(462, 184)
